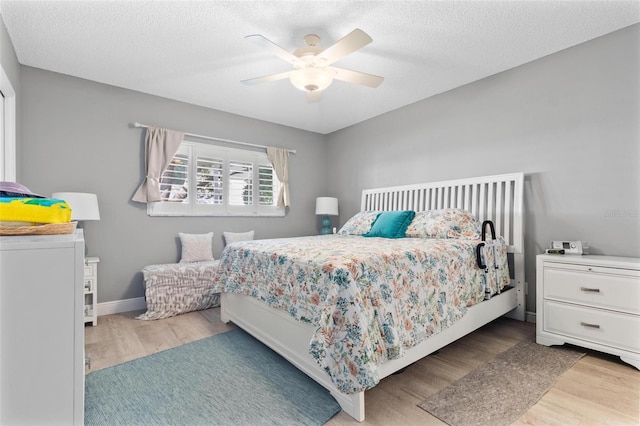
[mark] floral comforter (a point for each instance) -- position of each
(369, 298)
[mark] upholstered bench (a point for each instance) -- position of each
(177, 288)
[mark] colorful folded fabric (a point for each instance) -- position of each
(34, 210)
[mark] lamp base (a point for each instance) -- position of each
(326, 226)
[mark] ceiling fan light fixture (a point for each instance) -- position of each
(313, 71)
(311, 79)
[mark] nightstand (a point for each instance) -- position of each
(589, 301)
(91, 290)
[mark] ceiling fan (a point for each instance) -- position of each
(312, 71)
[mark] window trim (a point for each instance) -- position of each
(8, 167)
(194, 149)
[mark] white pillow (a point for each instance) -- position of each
(232, 237)
(360, 223)
(196, 247)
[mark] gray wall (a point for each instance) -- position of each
(76, 137)
(8, 57)
(570, 121)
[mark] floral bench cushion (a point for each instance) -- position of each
(173, 289)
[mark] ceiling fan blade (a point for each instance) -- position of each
(356, 77)
(266, 78)
(267, 44)
(314, 96)
(353, 41)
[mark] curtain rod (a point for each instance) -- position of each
(292, 151)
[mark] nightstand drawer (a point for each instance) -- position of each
(594, 325)
(594, 287)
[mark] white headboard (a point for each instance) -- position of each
(497, 198)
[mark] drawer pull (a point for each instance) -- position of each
(591, 290)
(586, 324)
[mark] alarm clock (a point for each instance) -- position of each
(571, 247)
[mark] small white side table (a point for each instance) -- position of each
(91, 290)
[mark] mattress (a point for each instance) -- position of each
(369, 299)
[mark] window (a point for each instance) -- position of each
(206, 180)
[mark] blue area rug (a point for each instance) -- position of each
(226, 379)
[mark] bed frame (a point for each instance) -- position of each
(497, 198)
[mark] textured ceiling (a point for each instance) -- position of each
(195, 51)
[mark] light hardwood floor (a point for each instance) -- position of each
(598, 390)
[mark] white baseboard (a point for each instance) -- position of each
(125, 305)
(530, 317)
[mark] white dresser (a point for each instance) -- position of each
(42, 329)
(589, 301)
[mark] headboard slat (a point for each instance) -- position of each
(506, 230)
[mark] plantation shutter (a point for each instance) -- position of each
(174, 181)
(209, 177)
(267, 185)
(240, 183)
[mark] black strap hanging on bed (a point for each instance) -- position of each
(480, 246)
(491, 228)
(481, 265)
(481, 253)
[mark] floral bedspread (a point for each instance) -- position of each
(369, 298)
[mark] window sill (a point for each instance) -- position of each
(167, 214)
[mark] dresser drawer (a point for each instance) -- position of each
(604, 327)
(597, 287)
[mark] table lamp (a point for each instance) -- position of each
(326, 206)
(84, 206)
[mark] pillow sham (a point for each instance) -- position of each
(391, 224)
(196, 247)
(232, 237)
(444, 223)
(360, 223)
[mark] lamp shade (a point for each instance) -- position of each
(327, 206)
(311, 79)
(84, 206)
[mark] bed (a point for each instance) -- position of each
(312, 300)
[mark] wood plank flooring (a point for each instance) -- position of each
(598, 390)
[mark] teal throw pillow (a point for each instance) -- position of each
(391, 224)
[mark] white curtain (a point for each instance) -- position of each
(160, 145)
(279, 158)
